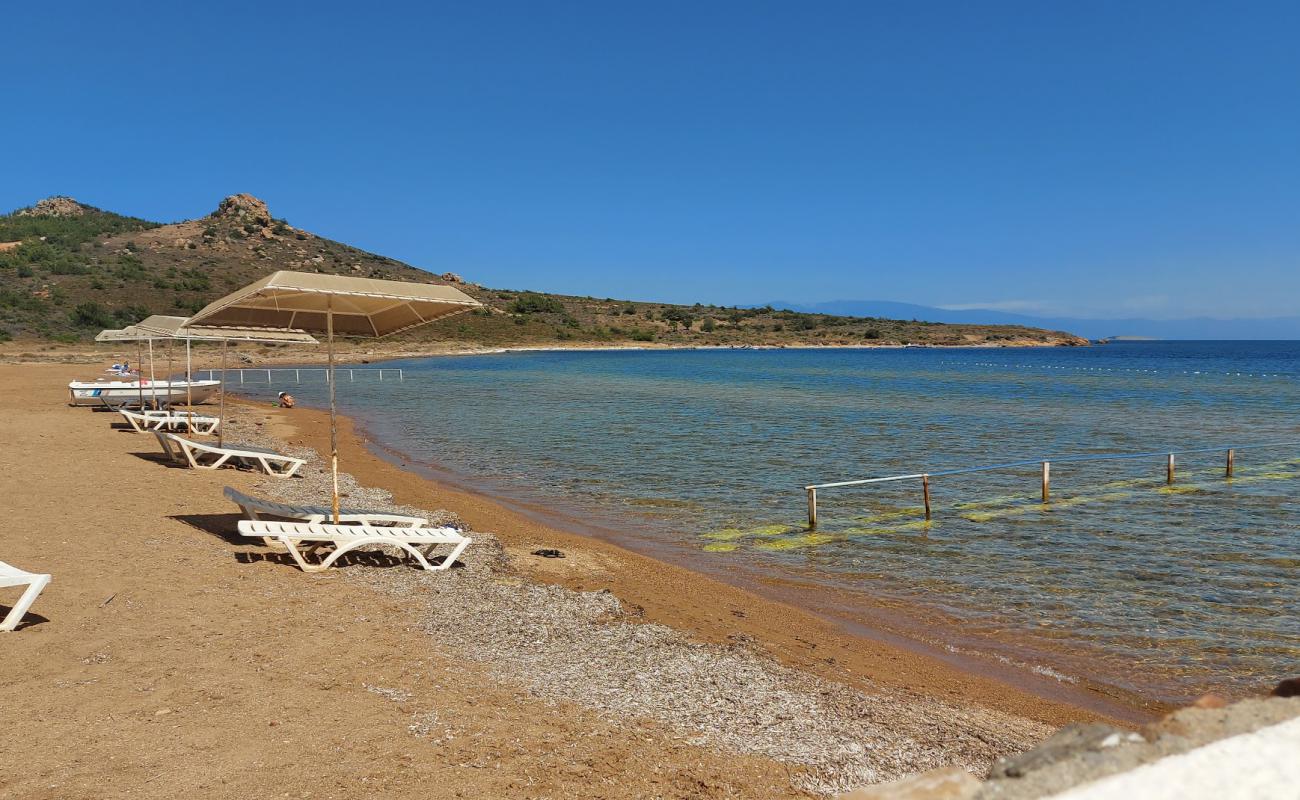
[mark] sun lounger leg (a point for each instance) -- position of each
(454, 554)
(16, 613)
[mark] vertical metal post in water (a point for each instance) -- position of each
(925, 488)
(1228, 471)
(1047, 481)
(812, 508)
(1169, 470)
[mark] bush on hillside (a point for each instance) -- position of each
(91, 315)
(533, 303)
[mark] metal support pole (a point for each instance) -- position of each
(1231, 459)
(1169, 470)
(812, 508)
(153, 381)
(925, 487)
(171, 351)
(221, 414)
(139, 374)
(1047, 481)
(334, 438)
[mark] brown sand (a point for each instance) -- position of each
(164, 660)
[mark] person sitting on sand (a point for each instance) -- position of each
(286, 400)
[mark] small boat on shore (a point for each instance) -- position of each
(116, 392)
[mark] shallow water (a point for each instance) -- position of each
(1163, 590)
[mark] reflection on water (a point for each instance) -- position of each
(1163, 589)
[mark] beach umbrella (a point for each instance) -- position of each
(331, 304)
(176, 328)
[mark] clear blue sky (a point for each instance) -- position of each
(1089, 158)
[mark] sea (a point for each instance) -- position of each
(1123, 579)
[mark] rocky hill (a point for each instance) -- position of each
(68, 270)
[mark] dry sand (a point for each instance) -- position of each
(168, 657)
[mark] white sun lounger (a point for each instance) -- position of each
(12, 576)
(210, 456)
(194, 423)
(254, 507)
(419, 542)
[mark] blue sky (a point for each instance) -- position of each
(1100, 159)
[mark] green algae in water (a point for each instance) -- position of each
(797, 542)
(721, 547)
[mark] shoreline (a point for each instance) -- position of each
(43, 352)
(851, 648)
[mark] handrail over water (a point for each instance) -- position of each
(1046, 464)
(257, 372)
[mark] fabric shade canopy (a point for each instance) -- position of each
(361, 306)
(334, 304)
(175, 328)
(161, 326)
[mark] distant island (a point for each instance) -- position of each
(69, 270)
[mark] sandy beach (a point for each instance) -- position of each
(169, 656)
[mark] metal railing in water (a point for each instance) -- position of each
(296, 374)
(1045, 464)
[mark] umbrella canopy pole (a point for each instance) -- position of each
(334, 430)
(221, 415)
(171, 351)
(139, 374)
(189, 376)
(153, 382)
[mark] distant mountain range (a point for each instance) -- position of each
(1192, 328)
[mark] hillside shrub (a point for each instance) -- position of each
(534, 303)
(91, 315)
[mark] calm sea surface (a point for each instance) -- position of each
(1164, 590)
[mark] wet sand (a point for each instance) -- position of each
(167, 657)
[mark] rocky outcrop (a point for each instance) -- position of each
(1083, 753)
(243, 208)
(57, 206)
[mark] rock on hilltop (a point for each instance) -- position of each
(243, 208)
(57, 206)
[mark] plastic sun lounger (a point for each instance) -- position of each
(254, 507)
(194, 423)
(419, 542)
(12, 576)
(210, 456)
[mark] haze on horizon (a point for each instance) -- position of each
(1114, 160)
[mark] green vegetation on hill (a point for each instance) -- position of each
(68, 270)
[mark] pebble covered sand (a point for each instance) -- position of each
(586, 648)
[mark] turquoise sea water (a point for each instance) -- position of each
(1168, 591)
